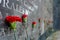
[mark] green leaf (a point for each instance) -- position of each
(13, 25)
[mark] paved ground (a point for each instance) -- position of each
(54, 36)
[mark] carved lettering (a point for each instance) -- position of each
(3, 3)
(12, 6)
(0, 1)
(0, 15)
(7, 3)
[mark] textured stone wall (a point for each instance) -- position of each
(47, 9)
(44, 10)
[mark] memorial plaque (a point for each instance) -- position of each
(8, 7)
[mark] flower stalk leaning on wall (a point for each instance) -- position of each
(24, 24)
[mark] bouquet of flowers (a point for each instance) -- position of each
(11, 21)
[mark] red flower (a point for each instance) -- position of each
(9, 19)
(13, 19)
(24, 16)
(39, 19)
(17, 18)
(34, 22)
